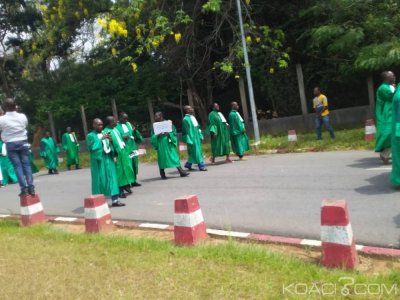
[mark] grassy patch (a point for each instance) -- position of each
(346, 139)
(43, 262)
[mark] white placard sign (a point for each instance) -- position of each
(161, 127)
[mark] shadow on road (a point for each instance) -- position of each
(79, 210)
(379, 185)
(365, 163)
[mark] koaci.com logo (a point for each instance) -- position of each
(347, 286)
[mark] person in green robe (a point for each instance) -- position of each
(49, 152)
(237, 129)
(70, 144)
(34, 168)
(124, 164)
(192, 136)
(165, 143)
(395, 141)
(132, 139)
(102, 163)
(384, 98)
(218, 129)
(7, 169)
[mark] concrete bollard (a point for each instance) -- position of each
(370, 130)
(31, 210)
(189, 226)
(338, 246)
(142, 150)
(182, 147)
(292, 136)
(97, 214)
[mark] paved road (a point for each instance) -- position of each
(273, 194)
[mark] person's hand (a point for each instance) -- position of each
(126, 137)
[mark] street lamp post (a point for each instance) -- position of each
(248, 76)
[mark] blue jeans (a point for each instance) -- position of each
(18, 152)
(325, 121)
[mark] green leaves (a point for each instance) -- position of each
(212, 6)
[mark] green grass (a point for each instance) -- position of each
(346, 139)
(46, 263)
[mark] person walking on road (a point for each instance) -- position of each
(192, 136)
(383, 110)
(70, 144)
(237, 128)
(49, 152)
(218, 129)
(132, 138)
(395, 139)
(165, 143)
(15, 136)
(102, 163)
(320, 105)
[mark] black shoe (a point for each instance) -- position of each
(69, 168)
(184, 174)
(122, 195)
(56, 172)
(117, 204)
(23, 194)
(50, 172)
(77, 167)
(203, 169)
(164, 177)
(31, 191)
(135, 184)
(127, 189)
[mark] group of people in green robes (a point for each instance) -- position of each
(223, 136)
(113, 157)
(388, 124)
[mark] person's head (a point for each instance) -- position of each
(317, 91)
(158, 116)
(69, 129)
(123, 117)
(110, 122)
(98, 125)
(47, 133)
(234, 105)
(10, 105)
(388, 77)
(188, 110)
(215, 106)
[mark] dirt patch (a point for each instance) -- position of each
(368, 265)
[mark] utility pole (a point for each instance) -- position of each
(248, 76)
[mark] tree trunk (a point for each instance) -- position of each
(6, 88)
(198, 102)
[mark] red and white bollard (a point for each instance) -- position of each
(31, 210)
(189, 226)
(292, 136)
(182, 147)
(338, 246)
(142, 150)
(370, 130)
(97, 214)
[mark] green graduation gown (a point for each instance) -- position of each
(239, 139)
(166, 147)
(7, 168)
(32, 162)
(395, 176)
(102, 166)
(384, 98)
(192, 136)
(49, 151)
(135, 139)
(124, 163)
(71, 145)
(217, 127)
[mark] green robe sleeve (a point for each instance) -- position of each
(211, 123)
(43, 152)
(396, 118)
(173, 137)
(138, 136)
(154, 140)
(186, 132)
(64, 142)
(236, 126)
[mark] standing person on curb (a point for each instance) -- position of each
(320, 105)
(239, 139)
(383, 113)
(132, 138)
(192, 136)
(165, 144)
(70, 144)
(218, 129)
(15, 136)
(49, 152)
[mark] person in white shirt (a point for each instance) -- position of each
(14, 134)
